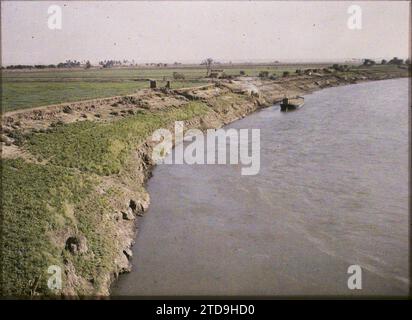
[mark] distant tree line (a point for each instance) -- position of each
(69, 64)
(66, 64)
(75, 64)
(393, 61)
(110, 63)
(24, 66)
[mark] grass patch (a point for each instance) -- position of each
(35, 202)
(103, 148)
(20, 95)
(27, 94)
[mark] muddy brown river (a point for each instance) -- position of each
(332, 191)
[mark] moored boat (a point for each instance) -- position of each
(289, 104)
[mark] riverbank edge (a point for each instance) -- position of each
(233, 102)
(261, 103)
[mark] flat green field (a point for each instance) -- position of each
(27, 94)
(27, 89)
(23, 89)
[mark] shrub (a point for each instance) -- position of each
(67, 109)
(368, 62)
(18, 137)
(178, 76)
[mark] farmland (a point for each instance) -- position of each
(29, 88)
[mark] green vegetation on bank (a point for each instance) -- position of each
(44, 204)
(103, 148)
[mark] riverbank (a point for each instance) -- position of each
(74, 174)
(332, 191)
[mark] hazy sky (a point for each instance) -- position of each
(190, 31)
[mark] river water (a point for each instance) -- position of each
(332, 192)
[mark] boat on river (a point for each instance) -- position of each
(290, 104)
